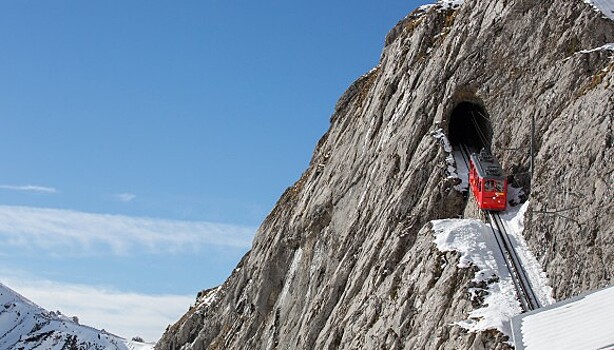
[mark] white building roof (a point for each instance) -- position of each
(583, 322)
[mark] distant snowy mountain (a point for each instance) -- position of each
(25, 326)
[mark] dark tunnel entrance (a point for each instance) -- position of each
(470, 125)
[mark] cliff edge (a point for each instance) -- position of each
(346, 259)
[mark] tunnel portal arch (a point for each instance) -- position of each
(469, 124)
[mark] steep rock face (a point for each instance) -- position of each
(346, 261)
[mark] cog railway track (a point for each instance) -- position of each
(526, 296)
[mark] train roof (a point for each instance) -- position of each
(487, 166)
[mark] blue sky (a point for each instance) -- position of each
(144, 141)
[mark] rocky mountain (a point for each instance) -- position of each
(346, 259)
(25, 325)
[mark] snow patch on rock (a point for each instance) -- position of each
(492, 285)
(450, 4)
(442, 5)
(207, 297)
(455, 169)
(477, 246)
(441, 136)
(513, 219)
(606, 47)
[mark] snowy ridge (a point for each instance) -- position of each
(492, 285)
(26, 326)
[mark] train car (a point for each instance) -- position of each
(487, 182)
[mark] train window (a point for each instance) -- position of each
(499, 186)
(489, 185)
(480, 185)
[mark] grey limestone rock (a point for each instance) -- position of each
(346, 259)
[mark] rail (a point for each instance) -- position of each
(526, 296)
(465, 152)
(524, 291)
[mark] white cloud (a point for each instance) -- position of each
(73, 232)
(125, 197)
(121, 313)
(30, 188)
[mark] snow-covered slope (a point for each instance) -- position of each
(25, 325)
(493, 287)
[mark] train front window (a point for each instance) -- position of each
(493, 185)
(489, 185)
(499, 185)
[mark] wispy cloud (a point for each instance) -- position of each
(30, 188)
(125, 197)
(122, 313)
(68, 231)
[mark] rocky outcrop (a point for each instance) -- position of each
(345, 260)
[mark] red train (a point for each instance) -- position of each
(487, 182)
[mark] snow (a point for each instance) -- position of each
(426, 7)
(132, 345)
(477, 246)
(450, 4)
(441, 136)
(456, 168)
(515, 196)
(474, 241)
(26, 326)
(208, 298)
(461, 170)
(443, 5)
(513, 221)
(580, 323)
(605, 6)
(606, 47)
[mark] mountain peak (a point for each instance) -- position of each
(25, 326)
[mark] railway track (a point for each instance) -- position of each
(524, 291)
(526, 296)
(464, 151)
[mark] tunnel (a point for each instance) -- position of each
(469, 124)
